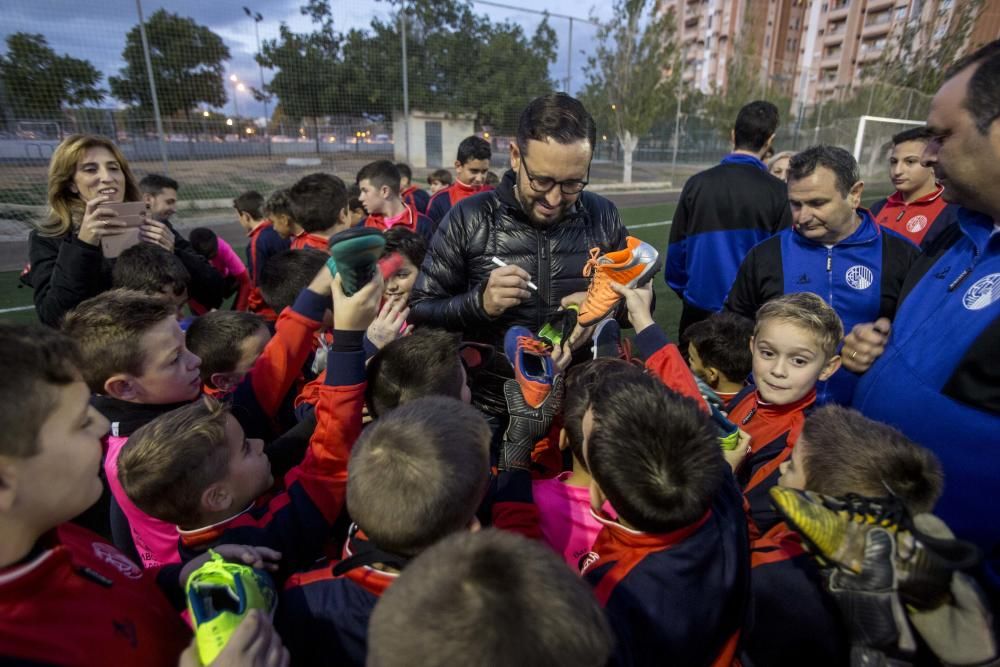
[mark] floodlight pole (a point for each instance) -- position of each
(152, 87)
(406, 81)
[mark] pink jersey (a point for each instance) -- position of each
(226, 261)
(155, 540)
(564, 517)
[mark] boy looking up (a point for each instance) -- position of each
(719, 353)
(916, 210)
(378, 183)
(319, 207)
(794, 346)
(471, 165)
(411, 194)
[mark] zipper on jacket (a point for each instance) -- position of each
(544, 279)
(829, 275)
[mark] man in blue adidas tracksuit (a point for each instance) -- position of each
(834, 249)
(934, 373)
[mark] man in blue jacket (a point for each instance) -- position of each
(934, 372)
(834, 249)
(722, 213)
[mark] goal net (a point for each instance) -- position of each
(873, 142)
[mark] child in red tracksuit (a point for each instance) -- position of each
(794, 346)
(839, 452)
(66, 595)
(378, 183)
(195, 468)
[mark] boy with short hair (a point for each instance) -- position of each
(319, 207)
(438, 180)
(228, 344)
(152, 270)
(471, 165)
(840, 452)
(265, 242)
(718, 353)
(286, 274)
(488, 598)
(223, 259)
(195, 469)
(378, 183)
(916, 210)
(794, 346)
(411, 194)
(408, 486)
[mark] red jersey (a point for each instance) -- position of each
(80, 601)
(914, 220)
(307, 240)
(445, 198)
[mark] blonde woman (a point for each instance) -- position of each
(66, 263)
(778, 164)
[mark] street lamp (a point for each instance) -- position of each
(257, 18)
(237, 86)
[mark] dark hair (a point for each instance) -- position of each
(846, 452)
(168, 463)
(982, 98)
(204, 242)
(379, 173)
(354, 198)
(317, 201)
(411, 367)
(555, 116)
(419, 473)
(923, 134)
(108, 329)
(250, 202)
(580, 381)
(154, 184)
(278, 203)
(404, 170)
(217, 338)
(492, 178)
(441, 175)
(149, 268)
(410, 245)
(723, 342)
(488, 598)
(286, 274)
(655, 454)
(473, 148)
(34, 361)
(756, 122)
(836, 159)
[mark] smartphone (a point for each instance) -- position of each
(133, 214)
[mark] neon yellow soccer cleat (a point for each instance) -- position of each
(219, 596)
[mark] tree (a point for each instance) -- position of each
(632, 75)
(187, 63)
(40, 82)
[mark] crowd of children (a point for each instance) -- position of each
(662, 508)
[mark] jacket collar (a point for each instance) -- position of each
(743, 158)
(977, 226)
(896, 198)
(126, 417)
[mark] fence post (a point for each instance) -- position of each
(152, 87)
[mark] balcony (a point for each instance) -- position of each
(838, 11)
(876, 5)
(876, 28)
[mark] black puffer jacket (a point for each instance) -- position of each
(448, 292)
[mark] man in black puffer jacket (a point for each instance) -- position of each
(539, 221)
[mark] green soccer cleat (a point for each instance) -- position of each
(836, 529)
(354, 254)
(559, 327)
(219, 596)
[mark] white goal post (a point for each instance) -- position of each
(875, 152)
(863, 122)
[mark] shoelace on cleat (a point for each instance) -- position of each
(598, 279)
(533, 345)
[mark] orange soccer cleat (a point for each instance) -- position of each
(632, 266)
(532, 364)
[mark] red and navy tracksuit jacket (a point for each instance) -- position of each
(938, 380)
(774, 430)
(417, 198)
(445, 198)
(309, 240)
(860, 277)
(722, 213)
(323, 613)
(77, 600)
(920, 221)
(264, 244)
(297, 520)
(415, 222)
(794, 621)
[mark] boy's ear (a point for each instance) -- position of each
(224, 381)
(345, 216)
(712, 375)
(121, 386)
(563, 440)
(8, 484)
(831, 367)
(216, 498)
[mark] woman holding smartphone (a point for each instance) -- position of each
(88, 176)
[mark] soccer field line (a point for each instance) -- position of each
(662, 223)
(15, 310)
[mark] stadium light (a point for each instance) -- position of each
(229, 122)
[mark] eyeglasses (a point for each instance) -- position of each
(543, 184)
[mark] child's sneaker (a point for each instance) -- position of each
(559, 327)
(532, 364)
(354, 253)
(836, 529)
(632, 266)
(219, 596)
